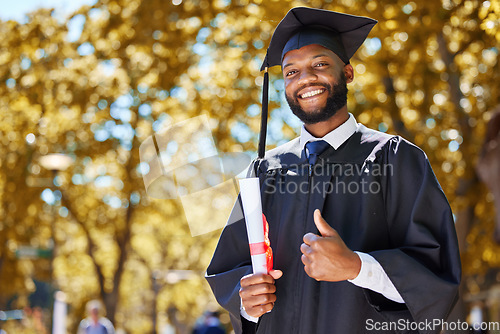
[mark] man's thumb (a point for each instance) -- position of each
(324, 229)
(276, 273)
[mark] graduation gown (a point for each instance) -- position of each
(380, 194)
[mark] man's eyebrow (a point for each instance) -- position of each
(313, 57)
(320, 55)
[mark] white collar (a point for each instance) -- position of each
(336, 137)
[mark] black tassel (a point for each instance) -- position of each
(263, 122)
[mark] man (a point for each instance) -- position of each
(362, 234)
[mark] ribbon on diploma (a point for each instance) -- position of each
(257, 248)
(264, 247)
(267, 245)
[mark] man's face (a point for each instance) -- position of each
(315, 83)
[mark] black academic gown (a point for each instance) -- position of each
(381, 195)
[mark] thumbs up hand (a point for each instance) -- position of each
(325, 256)
(323, 227)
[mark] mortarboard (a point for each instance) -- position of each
(301, 26)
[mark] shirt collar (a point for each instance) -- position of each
(336, 137)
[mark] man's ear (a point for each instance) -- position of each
(349, 73)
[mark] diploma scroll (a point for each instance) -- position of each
(252, 208)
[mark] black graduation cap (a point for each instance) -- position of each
(341, 33)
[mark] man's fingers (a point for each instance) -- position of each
(305, 249)
(305, 260)
(309, 238)
(260, 300)
(258, 310)
(323, 227)
(256, 290)
(253, 279)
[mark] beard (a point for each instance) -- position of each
(337, 99)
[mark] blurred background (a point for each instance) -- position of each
(84, 82)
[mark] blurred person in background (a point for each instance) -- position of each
(95, 323)
(209, 323)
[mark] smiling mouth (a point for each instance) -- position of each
(312, 93)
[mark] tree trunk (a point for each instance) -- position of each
(488, 166)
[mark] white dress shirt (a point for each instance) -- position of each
(371, 276)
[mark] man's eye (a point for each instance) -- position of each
(290, 73)
(321, 64)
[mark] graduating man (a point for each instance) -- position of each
(362, 234)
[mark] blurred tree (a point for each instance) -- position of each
(96, 98)
(428, 72)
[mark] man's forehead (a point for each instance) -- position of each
(310, 51)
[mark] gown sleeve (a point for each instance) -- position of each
(230, 262)
(424, 262)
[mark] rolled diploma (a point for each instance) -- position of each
(252, 208)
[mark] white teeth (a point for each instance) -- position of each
(310, 94)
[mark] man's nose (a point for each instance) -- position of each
(307, 76)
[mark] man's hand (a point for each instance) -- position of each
(257, 292)
(326, 257)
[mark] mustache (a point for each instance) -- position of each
(323, 85)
